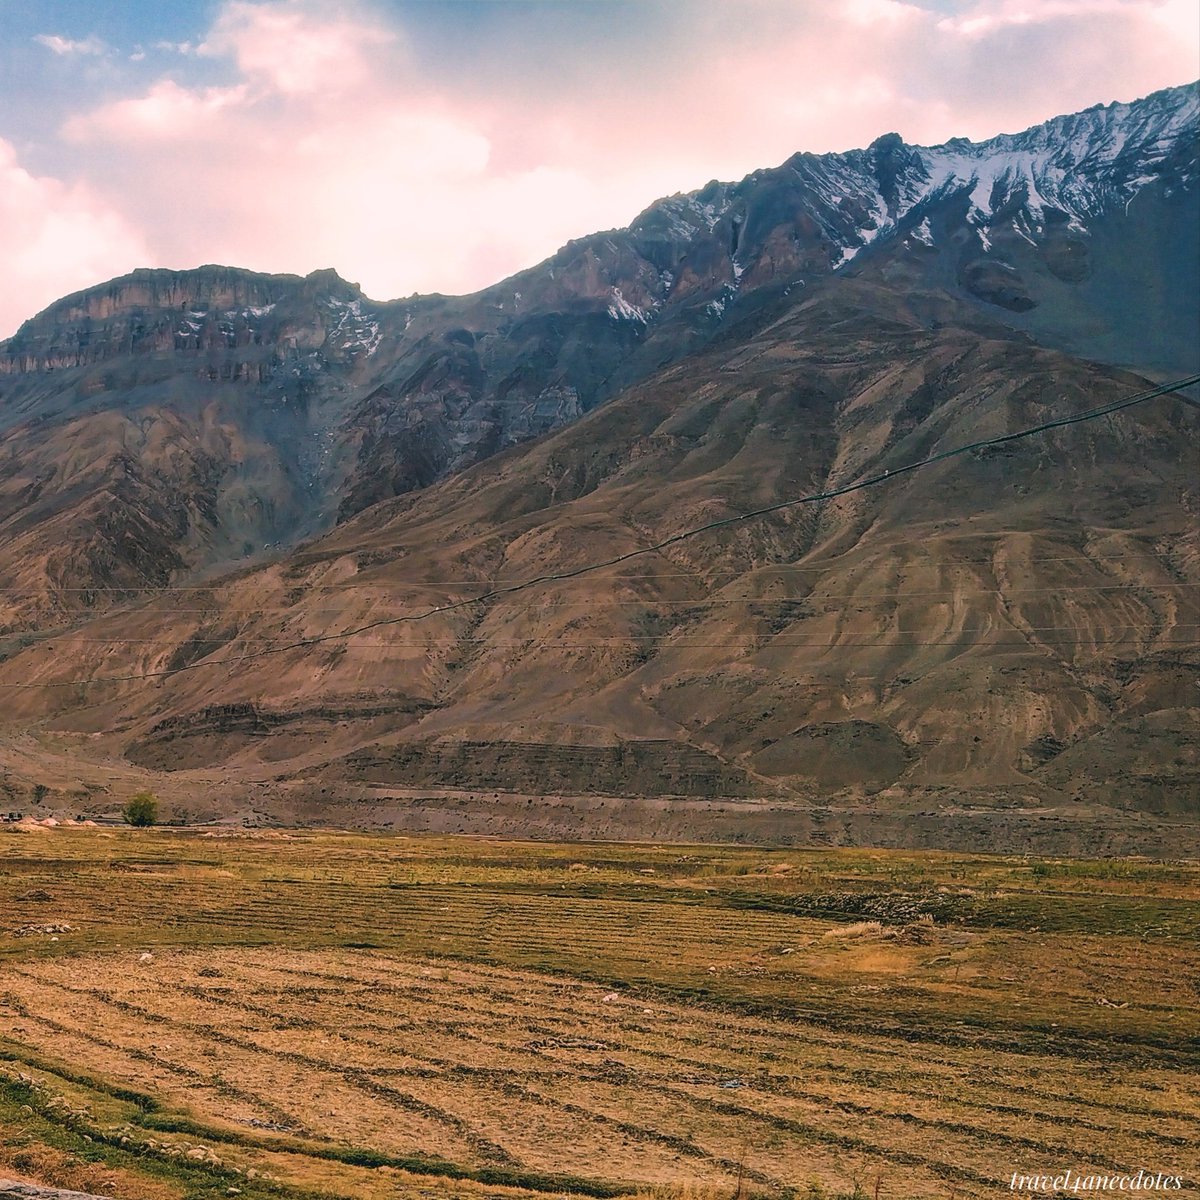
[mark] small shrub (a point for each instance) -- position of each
(141, 809)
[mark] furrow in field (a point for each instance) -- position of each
(397, 1120)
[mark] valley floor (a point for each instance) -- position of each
(311, 1015)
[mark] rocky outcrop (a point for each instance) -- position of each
(35, 1191)
(209, 309)
(633, 768)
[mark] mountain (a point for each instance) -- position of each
(996, 649)
(170, 422)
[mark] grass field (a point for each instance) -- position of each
(313, 1014)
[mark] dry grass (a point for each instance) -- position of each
(354, 1015)
(857, 929)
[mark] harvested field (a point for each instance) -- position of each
(367, 1016)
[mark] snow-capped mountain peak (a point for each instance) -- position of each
(1077, 166)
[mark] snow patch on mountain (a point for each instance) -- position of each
(352, 330)
(1079, 166)
(620, 309)
(922, 233)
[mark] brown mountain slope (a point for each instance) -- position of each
(170, 423)
(1005, 642)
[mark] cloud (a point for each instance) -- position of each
(988, 16)
(301, 135)
(396, 189)
(166, 112)
(54, 239)
(296, 48)
(68, 46)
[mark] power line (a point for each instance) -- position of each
(808, 568)
(555, 640)
(684, 640)
(846, 600)
(673, 539)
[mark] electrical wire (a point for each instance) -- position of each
(683, 640)
(705, 602)
(71, 640)
(364, 585)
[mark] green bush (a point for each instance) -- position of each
(141, 809)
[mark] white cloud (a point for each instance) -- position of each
(891, 12)
(166, 112)
(68, 46)
(988, 16)
(297, 48)
(55, 239)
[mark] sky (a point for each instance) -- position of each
(439, 145)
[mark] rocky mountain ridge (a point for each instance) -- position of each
(814, 213)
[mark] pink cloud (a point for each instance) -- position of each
(987, 16)
(54, 239)
(297, 48)
(394, 187)
(167, 111)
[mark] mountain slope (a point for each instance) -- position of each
(172, 422)
(998, 648)
(1010, 632)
